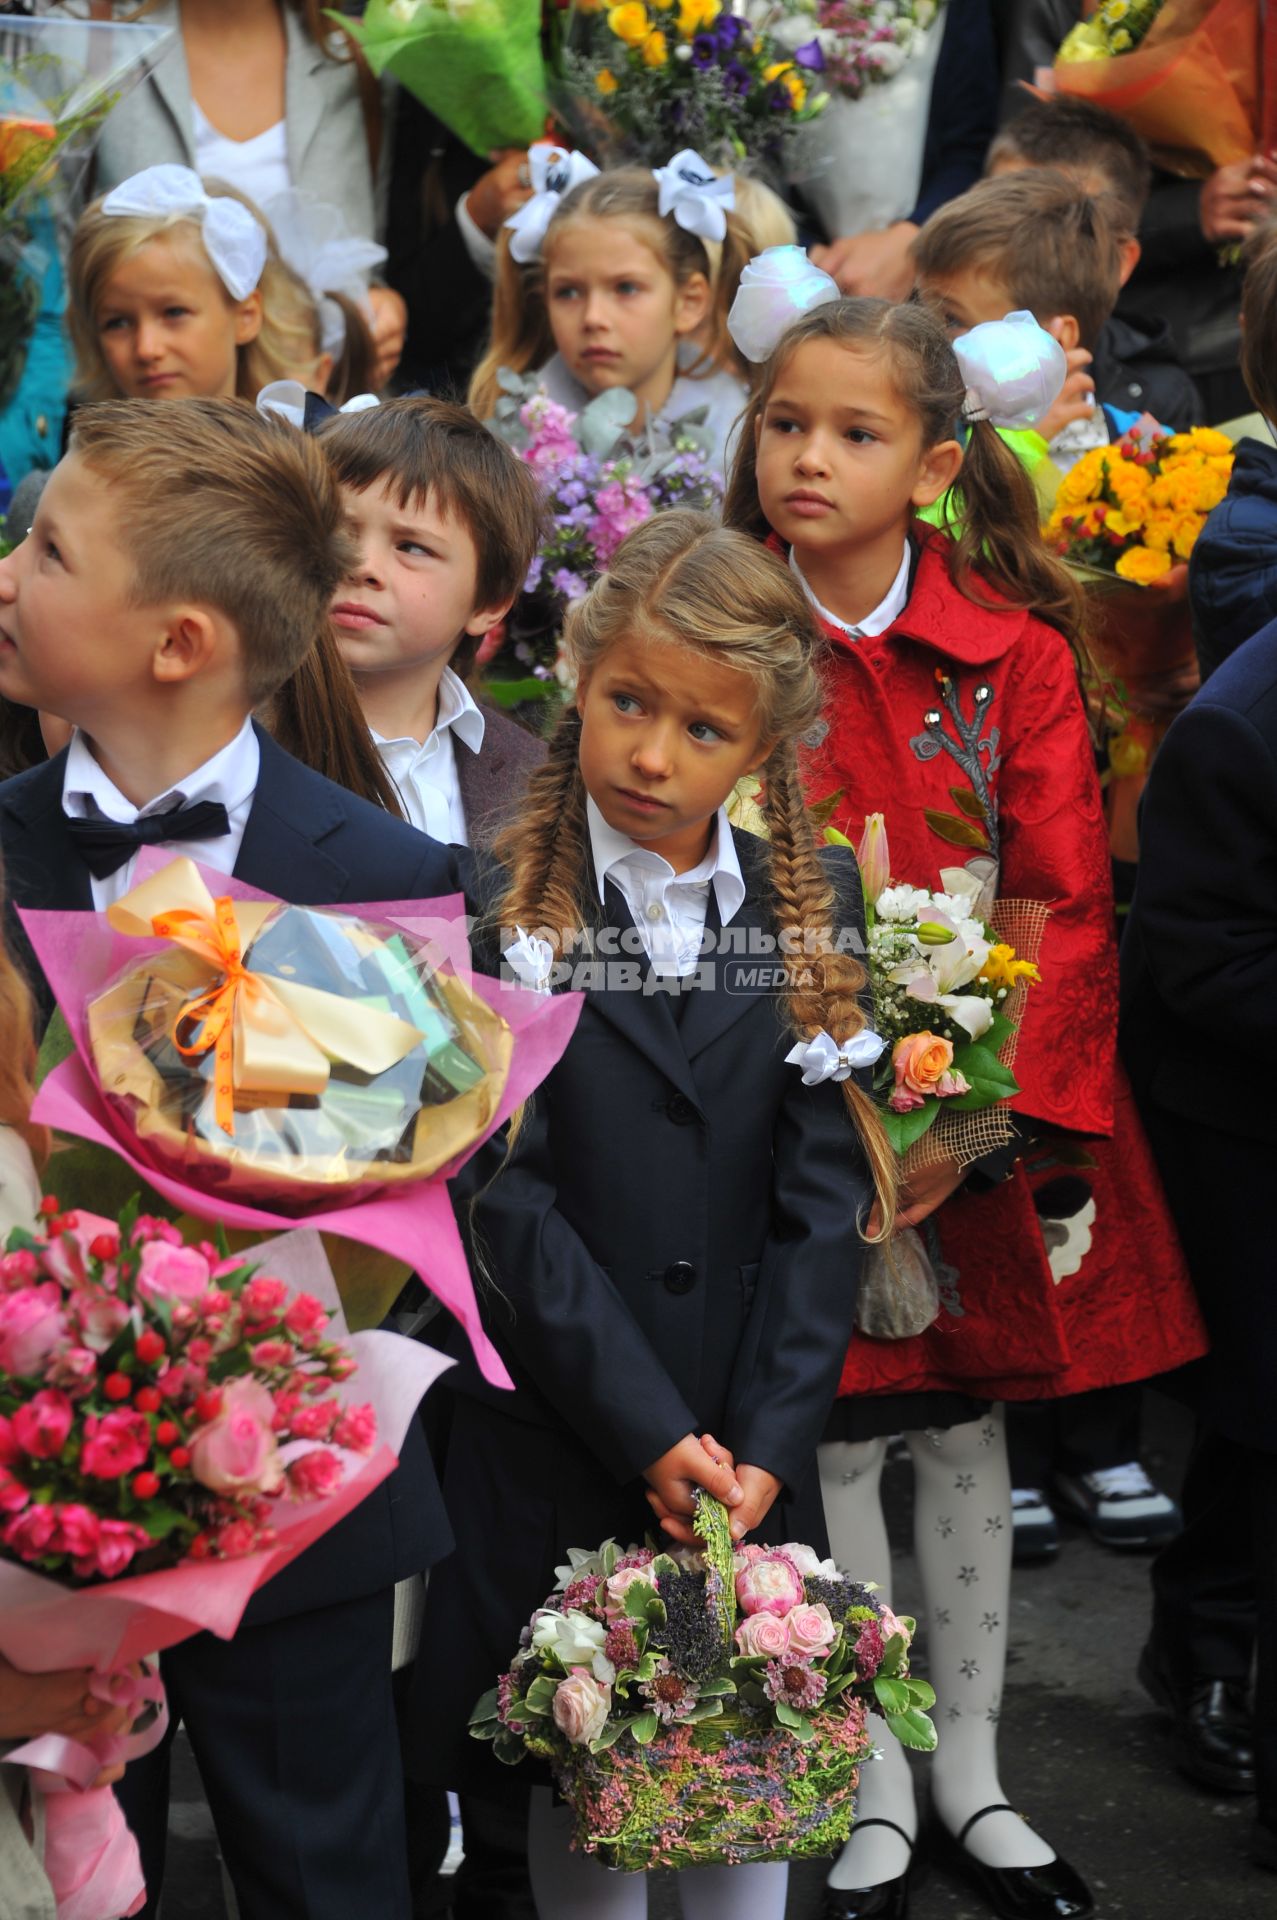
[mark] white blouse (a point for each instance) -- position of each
(258, 167)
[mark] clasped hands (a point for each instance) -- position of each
(673, 1479)
(32, 1704)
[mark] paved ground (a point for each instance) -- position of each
(1085, 1755)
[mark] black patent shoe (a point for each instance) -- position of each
(1052, 1892)
(1214, 1737)
(889, 1900)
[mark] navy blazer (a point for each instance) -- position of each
(314, 844)
(673, 1240)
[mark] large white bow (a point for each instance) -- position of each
(315, 242)
(531, 960)
(823, 1059)
(776, 287)
(1014, 370)
(699, 199)
(553, 171)
(234, 238)
(287, 398)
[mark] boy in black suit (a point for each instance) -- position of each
(181, 563)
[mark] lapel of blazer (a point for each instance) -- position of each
(172, 81)
(45, 868)
(293, 813)
(732, 981)
(484, 784)
(643, 1014)
(304, 100)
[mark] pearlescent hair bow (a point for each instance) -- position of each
(823, 1059)
(699, 199)
(531, 960)
(777, 286)
(301, 408)
(234, 238)
(1014, 370)
(314, 241)
(553, 171)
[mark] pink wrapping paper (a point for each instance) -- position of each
(80, 952)
(91, 1857)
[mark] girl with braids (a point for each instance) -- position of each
(598, 287)
(673, 1236)
(954, 708)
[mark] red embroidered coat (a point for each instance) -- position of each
(954, 696)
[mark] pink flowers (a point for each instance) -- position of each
(237, 1451)
(114, 1444)
(172, 1273)
(263, 1300)
(313, 1476)
(30, 1328)
(41, 1426)
(770, 1584)
(793, 1683)
(762, 1635)
(356, 1429)
(581, 1707)
(805, 1632)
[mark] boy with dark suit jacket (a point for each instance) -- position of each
(181, 562)
(448, 519)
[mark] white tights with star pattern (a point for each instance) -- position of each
(962, 1540)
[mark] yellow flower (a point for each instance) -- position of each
(1127, 755)
(606, 81)
(655, 50)
(1002, 969)
(1142, 565)
(776, 69)
(796, 87)
(630, 23)
(1185, 536)
(695, 14)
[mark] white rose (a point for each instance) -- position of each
(573, 1638)
(807, 1563)
(581, 1707)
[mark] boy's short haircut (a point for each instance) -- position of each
(1079, 138)
(1259, 318)
(1053, 248)
(417, 446)
(216, 504)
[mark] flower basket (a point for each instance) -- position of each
(706, 1708)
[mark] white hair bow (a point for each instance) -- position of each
(1014, 370)
(287, 398)
(234, 238)
(823, 1059)
(776, 287)
(315, 242)
(553, 172)
(531, 960)
(699, 199)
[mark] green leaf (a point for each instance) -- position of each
(893, 1656)
(821, 812)
(717, 1688)
(835, 839)
(507, 1748)
(540, 1695)
(902, 1129)
(486, 1709)
(990, 1081)
(913, 1729)
(921, 1693)
(967, 802)
(612, 1733)
(892, 1695)
(703, 1710)
(788, 1716)
(645, 1728)
(958, 832)
(518, 693)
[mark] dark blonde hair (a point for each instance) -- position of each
(1077, 137)
(1259, 318)
(1054, 248)
(17, 1051)
(682, 578)
(997, 542)
(521, 336)
(217, 504)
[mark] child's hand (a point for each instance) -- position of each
(879, 263)
(761, 1490)
(673, 1478)
(927, 1190)
(59, 1702)
(389, 329)
(1236, 197)
(501, 191)
(1077, 396)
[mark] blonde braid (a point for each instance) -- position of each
(545, 851)
(825, 986)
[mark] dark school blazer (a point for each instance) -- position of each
(314, 844)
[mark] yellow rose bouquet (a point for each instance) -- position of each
(1135, 509)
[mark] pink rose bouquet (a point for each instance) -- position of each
(706, 1708)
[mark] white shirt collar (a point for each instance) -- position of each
(888, 609)
(720, 866)
(456, 712)
(230, 776)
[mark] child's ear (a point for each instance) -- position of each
(1129, 252)
(248, 319)
(321, 373)
(481, 623)
(1066, 330)
(188, 642)
(938, 469)
(766, 748)
(691, 303)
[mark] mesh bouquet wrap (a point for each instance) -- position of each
(257, 1062)
(710, 1708)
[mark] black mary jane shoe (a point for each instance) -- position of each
(889, 1900)
(1052, 1892)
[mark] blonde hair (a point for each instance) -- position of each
(18, 1052)
(521, 337)
(288, 343)
(682, 578)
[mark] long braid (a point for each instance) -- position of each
(545, 852)
(825, 985)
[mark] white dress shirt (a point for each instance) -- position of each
(258, 167)
(668, 908)
(888, 609)
(425, 772)
(230, 776)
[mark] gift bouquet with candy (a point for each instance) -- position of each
(706, 1708)
(258, 1063)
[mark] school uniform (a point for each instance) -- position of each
(463, 783)
(274, 1715)
(672, 1245)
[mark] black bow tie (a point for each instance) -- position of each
(107, 844)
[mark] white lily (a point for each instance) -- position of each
(573, 1638)
(937, 972)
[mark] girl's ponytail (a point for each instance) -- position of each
(998, 540)
(521, 338)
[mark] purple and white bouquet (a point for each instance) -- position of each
(707, 1707)
(600, 483)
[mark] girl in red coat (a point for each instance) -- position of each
(953, 707)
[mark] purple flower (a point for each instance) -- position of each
(533, 580)
(704, 51)
(810, 55)
(736, 78)
(670, 1694)
(569, 584)
(728, 30)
